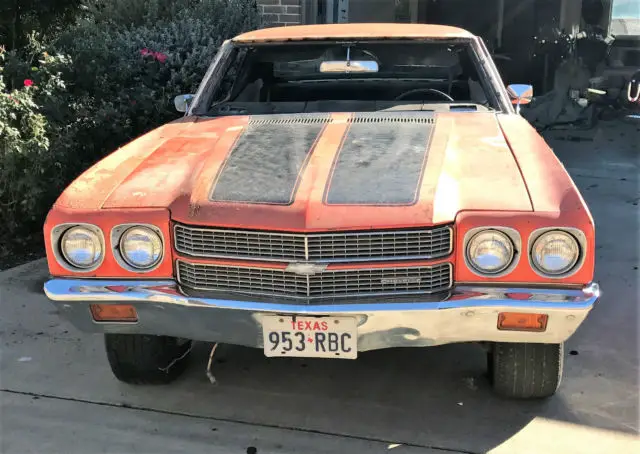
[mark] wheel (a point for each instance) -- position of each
(143, 359)
(526, 371)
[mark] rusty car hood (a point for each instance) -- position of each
(312, 171)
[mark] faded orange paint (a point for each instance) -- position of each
(482, 169)
(467, 153)
(550, 186)
(525, 224)
(106, 220)
(352, 31)
(90, 190)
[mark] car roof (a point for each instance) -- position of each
(352, 31)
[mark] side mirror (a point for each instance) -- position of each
(182, 102)
(520, 94)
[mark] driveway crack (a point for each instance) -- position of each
(238, 421)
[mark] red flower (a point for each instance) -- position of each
(28, 82)
(156, 55)
(133, 103)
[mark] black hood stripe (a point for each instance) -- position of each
(265, 164)
(381, 161)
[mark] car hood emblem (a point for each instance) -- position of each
(305, 269)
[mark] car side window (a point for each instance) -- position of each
(232, 75)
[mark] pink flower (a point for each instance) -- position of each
(28, 83)
(156, 55)
(160, 57)
(133, 103)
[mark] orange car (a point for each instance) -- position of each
(332, 189)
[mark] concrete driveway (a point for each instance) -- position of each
(58, 394)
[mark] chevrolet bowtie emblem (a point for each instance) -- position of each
(306, 269)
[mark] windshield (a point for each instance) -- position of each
(407, 72)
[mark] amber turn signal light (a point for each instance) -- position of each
(517, 321)
(114, 313)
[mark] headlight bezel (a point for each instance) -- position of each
(572, 232)
(510, 233)
(117, 235)
(57, 234)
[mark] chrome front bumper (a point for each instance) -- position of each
(468, 313)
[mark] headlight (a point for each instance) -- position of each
(81, 247)
(555, 252)
(490, 252)
(141, 247)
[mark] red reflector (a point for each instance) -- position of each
(113, 313)
(517, 321)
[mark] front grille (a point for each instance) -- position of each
(207, 242)
(326, 284)
(427, 243)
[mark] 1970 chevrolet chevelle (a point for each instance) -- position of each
(330, 190)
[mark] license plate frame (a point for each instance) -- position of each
(324, 336)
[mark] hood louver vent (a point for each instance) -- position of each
(364, 117)
(287, 119)
(400, 117)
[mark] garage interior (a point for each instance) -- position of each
(509, 27)
(576, 53)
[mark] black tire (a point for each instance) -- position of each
(146, 360)
(525, 370)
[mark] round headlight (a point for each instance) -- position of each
(555, 252)
(490, 252)
(81, 247)
(141, 247)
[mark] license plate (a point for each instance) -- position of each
(314, 337)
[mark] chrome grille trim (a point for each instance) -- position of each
(416, 244)
(327, 284)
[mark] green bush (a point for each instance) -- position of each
(20, 19)
(189, 37)
(133, 72)
(28, 163)
(103, 82)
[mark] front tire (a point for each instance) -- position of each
(526, 370)
(144, 359)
